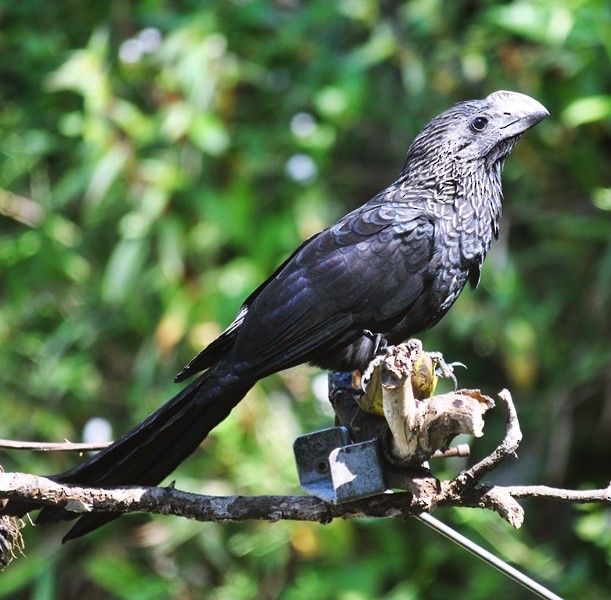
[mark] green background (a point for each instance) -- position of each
(159, 159)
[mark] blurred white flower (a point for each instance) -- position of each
(97, 431)
(301, 168)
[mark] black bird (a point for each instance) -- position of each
(386, 271)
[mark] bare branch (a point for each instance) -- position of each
(21, 209)
(52, 446)
(602, 496)
(170, 501)
(506, 449)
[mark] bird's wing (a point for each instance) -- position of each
(363, 273)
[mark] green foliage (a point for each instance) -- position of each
(159, 160)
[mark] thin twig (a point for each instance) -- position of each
(576, 496)
(460, 450)
(53, 446)
(506, 449)
(21, 209)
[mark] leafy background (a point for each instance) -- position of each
(159, 159)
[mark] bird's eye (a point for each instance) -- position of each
(479, 123)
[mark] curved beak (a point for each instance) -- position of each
(520, 111)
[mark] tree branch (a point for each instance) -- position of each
(506, 449)
(52, 446)
(171, 501)
(602, 496)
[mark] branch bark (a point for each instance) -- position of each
(171, 501)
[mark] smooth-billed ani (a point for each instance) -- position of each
(391, 268)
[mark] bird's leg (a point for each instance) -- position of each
(380, 343)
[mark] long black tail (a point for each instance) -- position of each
(146, 454)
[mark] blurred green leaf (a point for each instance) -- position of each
(601, 198)
(105, 173)
(595, 527)
(539, 21)
(587, 110)
(124, 267)
(124, 580)
(22, 572)
(209, 134)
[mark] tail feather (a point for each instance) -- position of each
(146, 454)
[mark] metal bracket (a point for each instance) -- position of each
(334, 470)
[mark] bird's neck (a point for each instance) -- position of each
(483, 194)
(466, 199)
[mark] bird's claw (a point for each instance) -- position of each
(444, 369)
(380, 343)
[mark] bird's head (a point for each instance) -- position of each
(474, 133)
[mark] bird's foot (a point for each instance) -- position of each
(380, 343)
(444, 369)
